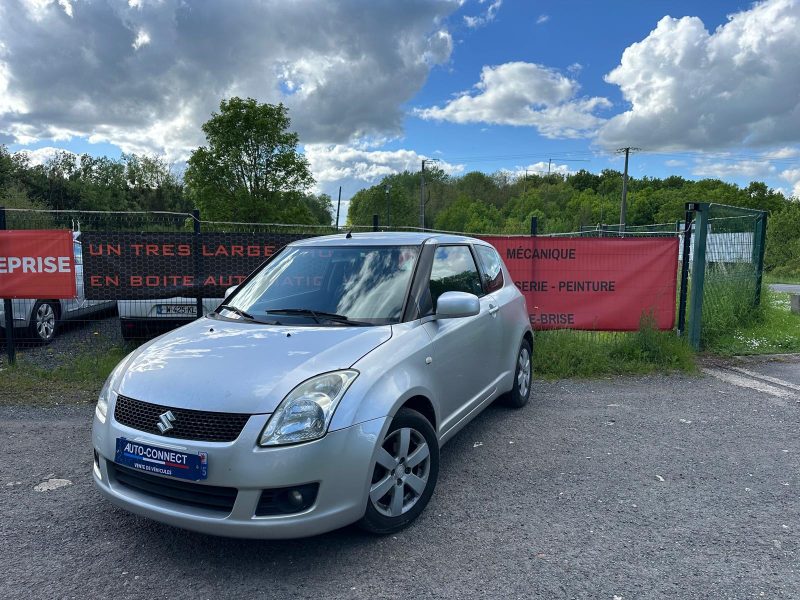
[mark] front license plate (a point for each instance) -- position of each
(161, 461)
(183, 310)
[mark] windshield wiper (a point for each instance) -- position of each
(236, 310)
(318, 316)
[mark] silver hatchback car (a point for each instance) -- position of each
(319, 392)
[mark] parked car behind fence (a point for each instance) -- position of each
(141, 319)
(39, 319)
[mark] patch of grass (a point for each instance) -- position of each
(775, 330)
(77, 380)
(728, 297)
(563, 353)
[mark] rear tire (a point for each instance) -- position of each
(44, 321)
(523, 378)
(404, 474)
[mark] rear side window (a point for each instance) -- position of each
(492, 269)
(454, 270)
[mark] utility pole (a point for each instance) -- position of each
(525, 183)
(422, 192)
(387, 188)
(338, 208)
(623, 211)
(549, 164)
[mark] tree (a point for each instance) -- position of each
(251, 169)
(783, 241)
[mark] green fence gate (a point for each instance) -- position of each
(725, 268)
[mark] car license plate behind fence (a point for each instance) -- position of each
(179, 310)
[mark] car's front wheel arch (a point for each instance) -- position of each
(403, 473)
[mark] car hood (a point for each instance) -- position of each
(228, 366)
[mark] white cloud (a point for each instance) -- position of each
(361, 165)
(343, 69)
(67, 6)
(675, 163)
(793, 177)
(524, 94)
(142, 39)
(542, 19)
(753, 169)
(539, 168)
(473, 22)
(575, 68)
(782, 153)
(691, 89)
(42, 155)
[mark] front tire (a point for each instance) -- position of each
(523, 378)
(44, 321)
(404, 475)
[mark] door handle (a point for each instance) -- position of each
(493, 309)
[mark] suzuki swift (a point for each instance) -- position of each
(319, 392)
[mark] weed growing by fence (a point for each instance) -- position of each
(728, 301)
(776, 330)
(566, 353)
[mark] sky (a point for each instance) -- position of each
(700, 89)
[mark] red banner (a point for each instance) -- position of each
(593, 283)
(37, 264)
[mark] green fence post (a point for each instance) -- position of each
(759, 244)
(8, 309)
(698, 274)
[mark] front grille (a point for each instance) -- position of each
(211, 497)
(188, 424)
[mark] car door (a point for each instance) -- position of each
(490, 265)
(464, 349)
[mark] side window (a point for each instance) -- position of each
(492, 269)
(454, 270)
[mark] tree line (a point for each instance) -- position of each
(504, 203)
(250, 170)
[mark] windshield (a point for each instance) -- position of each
(364, 285)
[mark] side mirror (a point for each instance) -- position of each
(452, 305)
(230, 290)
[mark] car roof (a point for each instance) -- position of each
(387, 238)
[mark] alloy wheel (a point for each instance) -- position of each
(45, 321)
(524, 372)
(401, 472)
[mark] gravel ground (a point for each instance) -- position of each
(654, 487)
(73, 337)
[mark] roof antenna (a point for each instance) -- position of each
(349, 234)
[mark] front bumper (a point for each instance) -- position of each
(340, 462)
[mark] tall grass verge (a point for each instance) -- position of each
(728, 301)
(80, 378)
(773, 330)
(564, 353)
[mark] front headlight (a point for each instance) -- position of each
(305, 414)
(101, 410)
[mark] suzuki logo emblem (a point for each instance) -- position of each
(165, 421)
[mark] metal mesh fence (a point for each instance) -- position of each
(732, 252)
(722, 281)
(614, 230)
(115, 313)
(124, 309)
